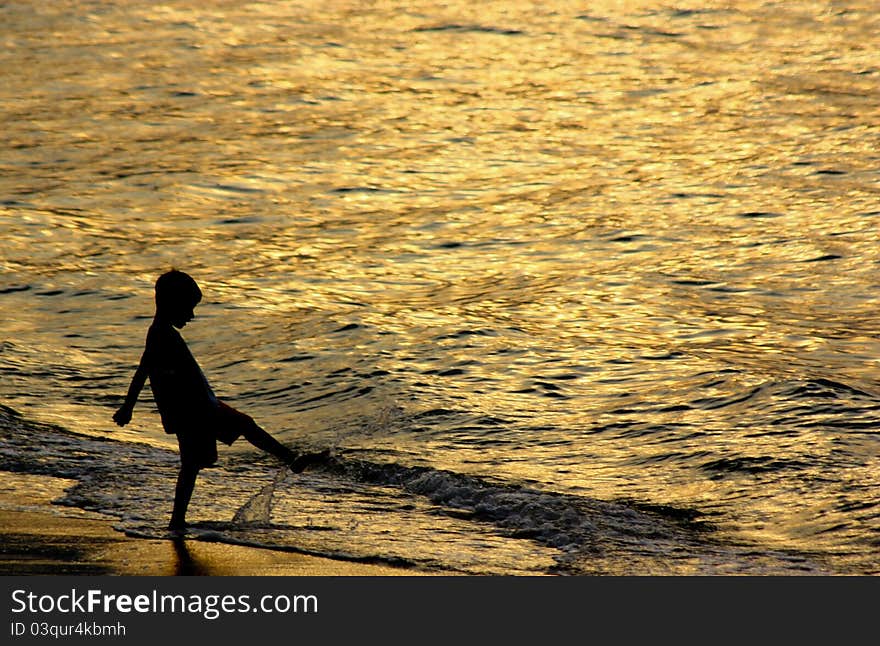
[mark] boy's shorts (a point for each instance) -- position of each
(230, 423)
(198, 446)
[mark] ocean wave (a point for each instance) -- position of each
(111, 478)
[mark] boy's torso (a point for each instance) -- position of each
(181, 392)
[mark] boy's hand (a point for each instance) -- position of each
(123, 415)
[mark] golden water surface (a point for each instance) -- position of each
(623, 250)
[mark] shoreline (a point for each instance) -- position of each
(40, 538)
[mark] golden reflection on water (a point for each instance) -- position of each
(595, 186)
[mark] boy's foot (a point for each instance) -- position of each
(299, 463)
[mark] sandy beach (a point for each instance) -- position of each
(39, 538)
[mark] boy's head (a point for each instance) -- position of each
(177, 294)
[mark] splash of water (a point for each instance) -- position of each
(258, 508)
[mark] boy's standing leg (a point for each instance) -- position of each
(186, 482)
(197, 450)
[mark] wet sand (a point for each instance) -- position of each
(39, 538)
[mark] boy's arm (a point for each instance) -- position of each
(123, 415)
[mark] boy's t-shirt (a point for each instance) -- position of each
(183, 396)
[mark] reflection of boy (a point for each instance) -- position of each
(187, 405)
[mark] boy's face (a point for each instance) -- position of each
(181, 314)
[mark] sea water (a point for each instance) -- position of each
(565, 287)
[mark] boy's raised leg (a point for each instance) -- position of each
(262, 440)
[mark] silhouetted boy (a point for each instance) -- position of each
(187, 405)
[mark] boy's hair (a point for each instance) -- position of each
(176, 288)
